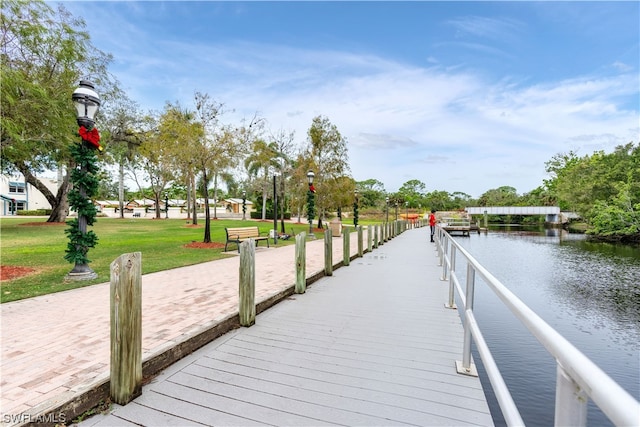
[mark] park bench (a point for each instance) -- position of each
(238, 235)
(136, 215)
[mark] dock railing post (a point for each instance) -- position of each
(571, 401)
(247, 293)
(360, 242)
(328, 252)
(126, 328)
(468, 308)
(451, 304)
(445, 258)
(301, 263)
(369, 238)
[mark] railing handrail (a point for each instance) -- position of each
(615, 402)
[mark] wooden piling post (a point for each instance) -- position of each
(126, 328)
(376, 236)
(369, 238)
(328, 253)
(346, 247)
(301, 263)
(247, 297)
(360, 242)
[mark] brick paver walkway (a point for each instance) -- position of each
(56, 346)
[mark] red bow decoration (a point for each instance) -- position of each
(312, 188)
(91, 136)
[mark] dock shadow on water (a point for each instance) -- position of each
(589, 292)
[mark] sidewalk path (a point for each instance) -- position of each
(373, 345)
(56, 347)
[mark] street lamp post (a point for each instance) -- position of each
(275, 211)
(244, 205)
(310, 196)
(166, 205)
(85, 182)
(283, 197)
(386, 207)
(406, 211)
(355, 208)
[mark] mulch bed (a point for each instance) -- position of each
(201, 245)
(10, 272)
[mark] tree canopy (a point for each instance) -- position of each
(603, 188)
(328, 154)
(44, 54)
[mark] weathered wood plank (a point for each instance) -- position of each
(346, 247)
(247, 298)
(328, 253)
(301, 263)
(126, 328)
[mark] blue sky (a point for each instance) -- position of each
(463, 96)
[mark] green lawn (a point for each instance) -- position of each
(162, 243)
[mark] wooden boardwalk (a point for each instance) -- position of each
(371, 345)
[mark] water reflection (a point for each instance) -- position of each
(589, 292)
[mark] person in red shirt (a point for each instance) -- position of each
(432, 223)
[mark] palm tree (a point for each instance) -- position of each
(258, 165)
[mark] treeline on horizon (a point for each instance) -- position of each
(603, 188)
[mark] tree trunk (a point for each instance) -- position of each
(320, 216)
(60, 210)
(156, 196)
(188, 183)
(59, 203)
(215, 196)
(194, 219)
(207, 219)
(121, 189)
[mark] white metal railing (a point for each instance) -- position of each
(577, 377)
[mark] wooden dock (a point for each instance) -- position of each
(371, 345)
(459, 225)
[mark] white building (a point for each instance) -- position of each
(17, 195)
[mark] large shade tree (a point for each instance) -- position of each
(327, 150)
(122, 133)
(44, 54)
(220, 148)
(371, 193)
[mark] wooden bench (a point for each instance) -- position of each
(136, 215)
(238, 235)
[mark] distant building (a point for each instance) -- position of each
(17, 195)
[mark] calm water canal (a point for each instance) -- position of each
(589, 292)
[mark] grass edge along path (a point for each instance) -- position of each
(39, 248)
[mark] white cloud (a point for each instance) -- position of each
(454, 129)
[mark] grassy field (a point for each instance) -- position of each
(41, 247)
